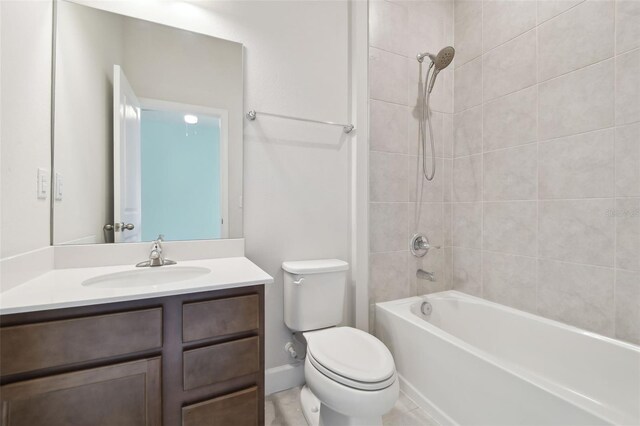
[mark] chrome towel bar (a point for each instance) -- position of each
(347, 128)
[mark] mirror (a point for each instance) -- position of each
(147, 131)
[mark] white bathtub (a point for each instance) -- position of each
(474, 362)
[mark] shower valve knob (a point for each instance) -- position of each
(419, 245)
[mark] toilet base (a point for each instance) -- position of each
(310, 406)
(317, 414)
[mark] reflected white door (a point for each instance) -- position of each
(127, 185)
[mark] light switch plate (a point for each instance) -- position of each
(58, 187)
(43, 184)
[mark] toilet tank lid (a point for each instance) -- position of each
(315, 266)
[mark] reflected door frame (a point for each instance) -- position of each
(158, 105)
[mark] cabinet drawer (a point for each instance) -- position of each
(55, 343)
(217, 363)
(238, 409)
(212, 318)
(126, 394)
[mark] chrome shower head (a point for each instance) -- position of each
(439, 62)
(443, 58)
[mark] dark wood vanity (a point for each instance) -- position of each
(194, 360)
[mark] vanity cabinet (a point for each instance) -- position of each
(194, 360)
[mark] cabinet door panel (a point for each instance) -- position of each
(126, 394)
(237, 409)
(55, 343)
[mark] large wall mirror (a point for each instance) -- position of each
(147, 131)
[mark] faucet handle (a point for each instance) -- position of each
(160, 238)
(419, 245)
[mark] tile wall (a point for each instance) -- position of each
(545, 212)
(399, 206)
(537, 196)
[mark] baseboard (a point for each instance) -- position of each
(432, 410)
(283, 377)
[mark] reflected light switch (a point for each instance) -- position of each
(58, 187)
(43, 184)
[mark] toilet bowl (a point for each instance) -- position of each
(350, 375)
(350, 378)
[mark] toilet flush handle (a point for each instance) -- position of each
(299, 281)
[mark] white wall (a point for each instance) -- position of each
(296, 176)
(25, 87)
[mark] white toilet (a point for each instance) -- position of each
(351, 377)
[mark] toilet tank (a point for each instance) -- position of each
(314, 293)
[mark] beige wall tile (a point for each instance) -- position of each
(579, 166)
(420, 189)
(511, 174)
(388, 26)
(388, 277)
(579, 231)
(415, 147)
(468, 30)
(582, 36)
(511, 120)
(579, 295)
(577, 102)
(467, 270)
(628, 161)
(468, 85)
(628, 87)
(388, 127)
(506, 19)
(388, 177)
(387, 76)
(511, 227)
(627, 25)
(466, 178)
(628, 306)
(388, 223)
(466, 225)
(628, 233)
(510, 280)
(510, 67)
(467, 133)
(547, 9)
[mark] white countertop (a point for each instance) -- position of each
(62, 288)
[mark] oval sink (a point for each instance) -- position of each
(146, 277)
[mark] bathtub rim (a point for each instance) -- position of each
(478, 300)
(401, 308)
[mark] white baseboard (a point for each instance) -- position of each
(283, 377)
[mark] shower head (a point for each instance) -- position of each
(443, 58)
(440, 61)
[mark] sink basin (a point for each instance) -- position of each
(147, 277)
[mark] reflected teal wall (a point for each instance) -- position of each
(180, 177)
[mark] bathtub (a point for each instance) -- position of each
(474, 362)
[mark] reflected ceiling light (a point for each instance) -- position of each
(190, 119)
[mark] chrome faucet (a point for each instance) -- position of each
(156, 258)
(425, 275)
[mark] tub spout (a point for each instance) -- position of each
(425, 275)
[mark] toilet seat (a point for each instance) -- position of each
(351, 357)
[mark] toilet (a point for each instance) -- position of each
(350, 375)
